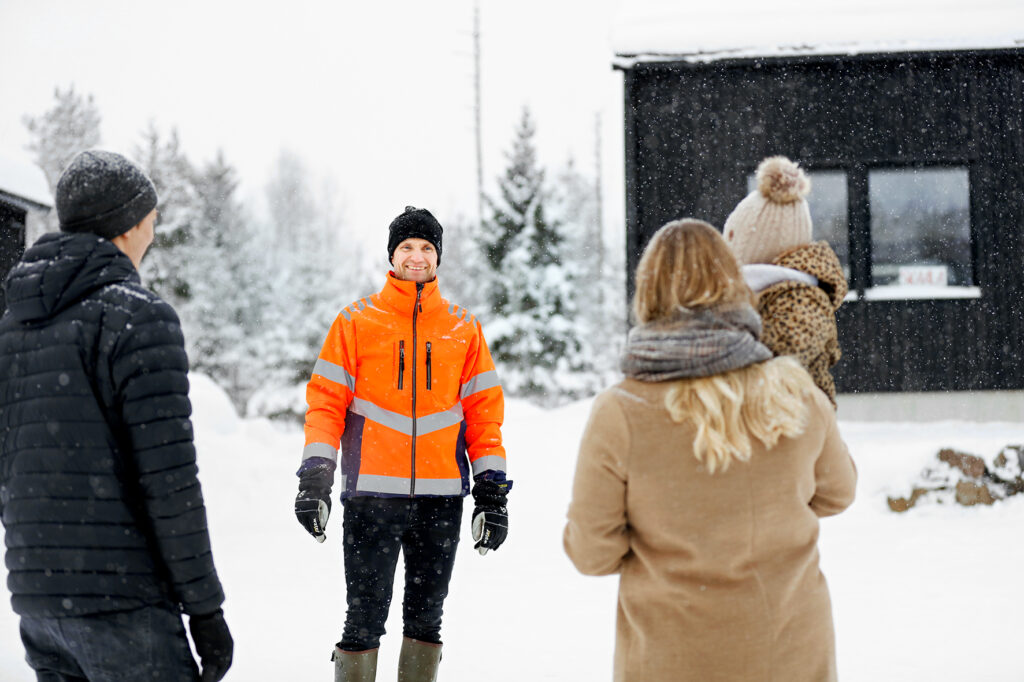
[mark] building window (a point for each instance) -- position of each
(917, 242)
(920, 233)
(828, 204)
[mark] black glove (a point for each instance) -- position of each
(313, 503)
(213, 643)
(490, 517)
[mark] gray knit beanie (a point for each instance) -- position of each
(103, 193)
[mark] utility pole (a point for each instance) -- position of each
(479, 136)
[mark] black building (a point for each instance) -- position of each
(917, 168)
(22, 190)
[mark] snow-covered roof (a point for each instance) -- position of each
(662, 30)
(24, 182)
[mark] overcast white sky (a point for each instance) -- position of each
(376, 95)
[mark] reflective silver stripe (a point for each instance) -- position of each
(345, 312)
(439, 420)
(492, 462)
(451, 308)
(480, 382)
(392, 420)
(396, 485)
(360, 304)
(336, 373)
(320, 450)
(399, 422)
(392, 485)
(439, 486)
(370, 305)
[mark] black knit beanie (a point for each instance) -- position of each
(416, 223)
(103, 193)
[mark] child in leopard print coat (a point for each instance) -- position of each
(799, 284)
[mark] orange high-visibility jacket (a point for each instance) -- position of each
(406, 383)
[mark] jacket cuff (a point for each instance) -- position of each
(316, 466)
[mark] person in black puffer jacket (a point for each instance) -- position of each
(105, 525)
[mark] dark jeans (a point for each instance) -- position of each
(426, 529)
(143, 644)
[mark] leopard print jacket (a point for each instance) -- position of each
(799, 319)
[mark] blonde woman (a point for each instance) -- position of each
(700, 481)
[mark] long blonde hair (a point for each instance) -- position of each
(765, 401)
(688, 264)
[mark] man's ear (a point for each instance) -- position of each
(126, 235)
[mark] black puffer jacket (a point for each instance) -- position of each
(101, 506)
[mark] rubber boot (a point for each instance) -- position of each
(354, 666)
(418, 661)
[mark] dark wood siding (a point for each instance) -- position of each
(12, 242)
(694, 132)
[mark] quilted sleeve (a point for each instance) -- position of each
(149, 369)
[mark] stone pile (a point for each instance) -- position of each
(967, 480)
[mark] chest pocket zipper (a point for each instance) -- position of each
(428, 365)
(401, 363)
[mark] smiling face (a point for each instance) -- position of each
(415, 260)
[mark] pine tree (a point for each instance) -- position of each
(70, 126)
(224, 317)
(310, 279)
(462, 268)
(289, 199)
(602, 318)
(179, 208)
(531, 286)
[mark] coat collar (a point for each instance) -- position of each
(401, 295)
(59, 270)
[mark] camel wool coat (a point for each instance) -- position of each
(719, 576)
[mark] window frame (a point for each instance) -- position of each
(858, 215)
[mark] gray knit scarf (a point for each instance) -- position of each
(694, 342)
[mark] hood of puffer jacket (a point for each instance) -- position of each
(818, 259)
(61, 269)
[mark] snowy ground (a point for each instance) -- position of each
(932, 594)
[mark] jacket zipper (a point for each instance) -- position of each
(401, 363)
(415, 312)
(428, 365)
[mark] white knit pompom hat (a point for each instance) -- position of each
(774, 217)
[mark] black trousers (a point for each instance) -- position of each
(143, 644)
(426, 530)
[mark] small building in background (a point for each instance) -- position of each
(24, 195)
(908, 117)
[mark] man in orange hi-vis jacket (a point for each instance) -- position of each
(406, 385)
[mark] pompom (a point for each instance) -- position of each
(781, 181)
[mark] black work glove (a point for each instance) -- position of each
(213, 643)
(313, 503)
(490, 517)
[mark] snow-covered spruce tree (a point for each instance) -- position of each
(311, 274)
(70, 126)
(531, 316)
(165, 268)
(223, 318)
(202, 262)
(601, 298)
(462, 268)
